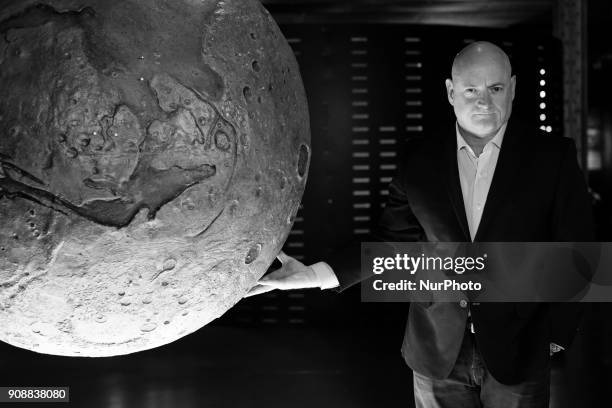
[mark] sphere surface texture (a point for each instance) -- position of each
(153, 155)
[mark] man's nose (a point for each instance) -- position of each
(484, 100)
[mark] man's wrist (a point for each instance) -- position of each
(325, 274)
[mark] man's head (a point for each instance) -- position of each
(481, 89)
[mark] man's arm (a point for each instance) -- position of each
(295, 275)
(396, 224)
(572, 222)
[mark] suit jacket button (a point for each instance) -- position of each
(463, 303)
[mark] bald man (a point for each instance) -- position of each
(486, 180)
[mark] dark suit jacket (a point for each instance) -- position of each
(537, 194)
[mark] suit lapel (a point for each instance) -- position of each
(508, 163)
(453, 185)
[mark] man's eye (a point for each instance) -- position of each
(496, 89)
(470, 91)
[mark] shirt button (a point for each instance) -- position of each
(463, 303)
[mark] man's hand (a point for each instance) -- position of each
(292, 275)
(555, 348)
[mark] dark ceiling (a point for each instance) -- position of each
(475, 13)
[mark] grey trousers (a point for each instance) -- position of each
(470, 385)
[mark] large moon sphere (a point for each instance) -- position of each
(153, 154)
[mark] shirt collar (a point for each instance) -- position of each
(496, 141)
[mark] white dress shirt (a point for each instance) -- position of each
(475, 175)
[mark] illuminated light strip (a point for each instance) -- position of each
(544, 127)
(361, 193)
(361, 218)
(388, 167)
(361, 206)
(388, 154)
(361, 155)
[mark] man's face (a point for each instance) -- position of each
(481, 94)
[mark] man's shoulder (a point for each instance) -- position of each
(538, 142)
(423, 148)
(550, 145)
(422, 159)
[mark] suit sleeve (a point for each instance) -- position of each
(397, 223)
(572, 222)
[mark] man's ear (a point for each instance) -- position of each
(450, 92)
(513, 85)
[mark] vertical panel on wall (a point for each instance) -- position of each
(360, 133)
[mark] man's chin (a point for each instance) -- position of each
(483, 130)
